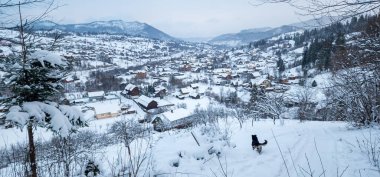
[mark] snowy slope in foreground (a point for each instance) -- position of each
(336, 145)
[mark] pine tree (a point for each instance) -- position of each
(280, 65)
(34, 80)
(305, 58)
(254, 94)
(340, 53)
(314, 84)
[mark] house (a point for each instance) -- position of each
(106, 115)
(256, 74)
(146, 102)
(126, 109)
(109, 109)
(159, 91)
(293, 77)
(3, 109)
(284, 81)
(186, 90)
(226, 76)
(185, 67)
(179, 96)
(178, 118)
(141, 74)
(132, 90)
(96, 96)
(194, 86)
(197, 70)
(194, 95)
(263, 83)
(74, 95)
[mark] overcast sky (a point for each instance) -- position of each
(180, 18)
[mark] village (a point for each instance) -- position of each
(166, 88)
(98, 98)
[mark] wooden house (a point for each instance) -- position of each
(141, 74)
(132, 90)
(146, 102)
(160, 92)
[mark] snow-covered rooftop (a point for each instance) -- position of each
(96, 94)
(176, 114)
(144, 100)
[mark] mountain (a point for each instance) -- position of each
(109, 27)
(250, 35)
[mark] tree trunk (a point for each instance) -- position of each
(32, 152)
(66, 155)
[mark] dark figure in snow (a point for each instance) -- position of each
(257, 145)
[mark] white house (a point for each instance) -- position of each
(178, 118)
(96, 96)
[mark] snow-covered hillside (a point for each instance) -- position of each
(320, 148)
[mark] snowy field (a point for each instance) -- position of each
(176, 153)
(336, 145)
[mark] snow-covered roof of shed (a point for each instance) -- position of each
(256, 74)
(196, 85)
(96, 94)
(186, 90)
(176, 114)
(258, 81)
(74, 95)
(109, 106)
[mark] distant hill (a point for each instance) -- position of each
(255, 34)
(247, 36)
(109, 27)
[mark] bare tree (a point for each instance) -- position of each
(337, 10)
(272, 105)
(306, 106)
(137, 141)
(357, 94)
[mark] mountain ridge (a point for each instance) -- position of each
(254, 34)
(134, 28)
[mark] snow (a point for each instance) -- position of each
(144, 100)
(53, 59)
(95, 94)
(335, 143)
(61, 120)
(130, 87)
(176, 114)
(107, 106)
